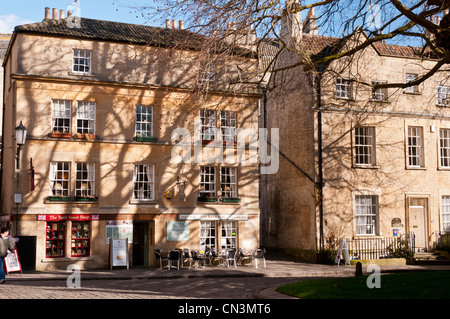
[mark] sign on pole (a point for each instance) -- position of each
(343, 248)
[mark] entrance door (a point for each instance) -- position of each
(140, 243)
(417, 221)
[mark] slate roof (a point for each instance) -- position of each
(116, 32)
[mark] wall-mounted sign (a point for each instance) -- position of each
(177, 231)
(119, 229)
(64, 217)
(211, 217)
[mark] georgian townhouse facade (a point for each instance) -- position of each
(101, 102)
(381, 158)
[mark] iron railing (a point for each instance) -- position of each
(381, 247)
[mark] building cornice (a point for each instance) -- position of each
(89, 81)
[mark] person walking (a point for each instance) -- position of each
(6, 244)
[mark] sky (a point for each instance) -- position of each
(17, 12)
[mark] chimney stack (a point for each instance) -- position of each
(55, 14)
(47, 13)
(181, 24)
(168, 23)
(174, 24)
(62, 14)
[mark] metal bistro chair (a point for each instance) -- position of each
(259, 255)
(213, 255)
(174, 256)
(197, 258)
(245, 255)
(231, 257)
(161, 255)
(185, 256)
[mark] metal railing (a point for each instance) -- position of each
(381, 247)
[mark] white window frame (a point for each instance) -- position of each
(444, 147)
(61, 116)
(415, 143)
(344, 88)
(379, 95)
(207, 124)
(207, 73)
(207, 181)
(59, 179)
(443, 95)
(228, 181)
(208, 234)
(144, 120)
(228, 126)
(143, 182)
(85, 179)
(86, 113)
(411, 77)
(228, 238)
(445, 212)
(366, 215)
(365, 146)
(82, 59)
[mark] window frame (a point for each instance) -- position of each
(207, 171)
(344, 85)
(207, 73)
(85, 241)
(84, 58)
(228, 179)
(55, 240)
(228, 123)
(91, 118)
(62, 181)
(370, 146)
(445, 213)
(228, 234)
(420, 156)
(446, 93)
(89, 180)
(140, 132)
(207, 129)
(384, 92)
(66, 117)
(367, 211)
(444, 148)
(149, 170)
(208, 234)
(413, 89)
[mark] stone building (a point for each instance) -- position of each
(380, 158)
(109, 108)
(4, 40)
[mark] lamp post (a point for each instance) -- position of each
(21, 135)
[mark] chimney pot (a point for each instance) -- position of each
(55, 14)
(47, 13)
(174, 24)
(167, 23)
(62, 14)
(181, 24)
(69, 13)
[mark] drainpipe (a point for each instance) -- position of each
(319, 184)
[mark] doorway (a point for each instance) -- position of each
(141, 243)
(417, 221)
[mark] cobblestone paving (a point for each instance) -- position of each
(186, 288)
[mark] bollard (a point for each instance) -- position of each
(358, 271)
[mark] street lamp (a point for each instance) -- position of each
(21, 135)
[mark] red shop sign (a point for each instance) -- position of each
(57, 218)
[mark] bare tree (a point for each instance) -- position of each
(421, 24)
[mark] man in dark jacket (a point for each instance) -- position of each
(6, 244)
